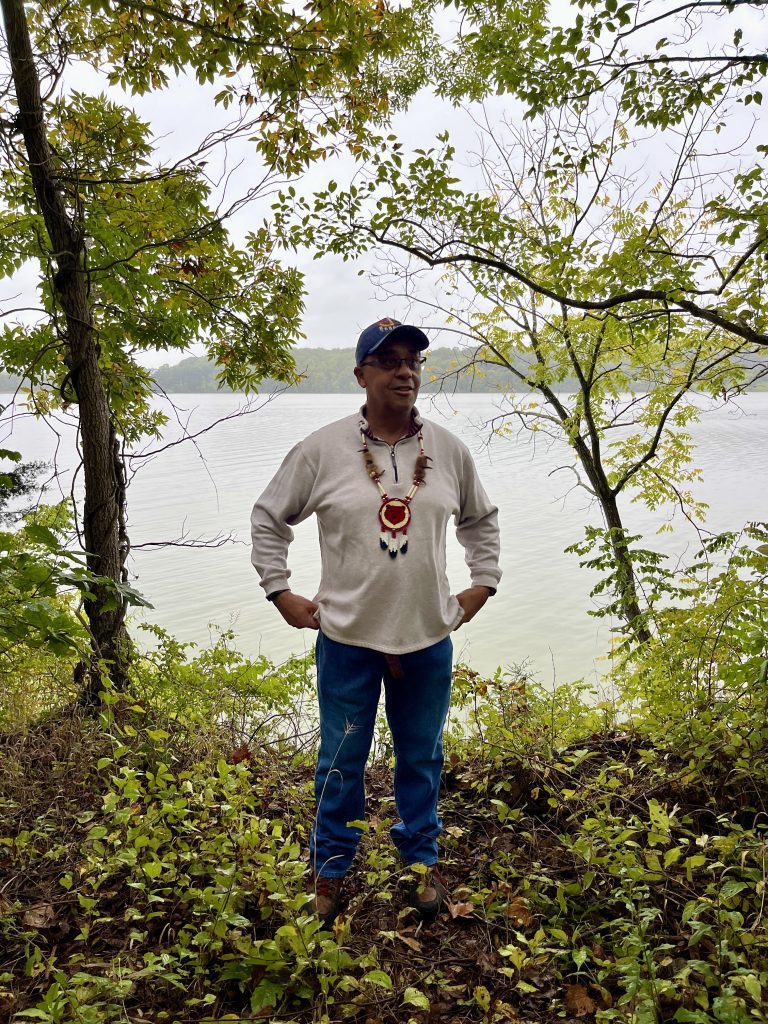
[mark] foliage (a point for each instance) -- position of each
(305, 78)
(661, 60)
(44, 588)
(163, 272)
(711, 647)
(250, 699)
(36, 568)
(633, 372)
(605, 855)
(16, 481)
(37, 628)
(162, 269)
(662, 68)
(130, 248)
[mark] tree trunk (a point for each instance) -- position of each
(590, 459)
(103, 514)
(626, 584)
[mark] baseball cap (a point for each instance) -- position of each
(387, 330)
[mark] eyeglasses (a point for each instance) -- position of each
(414, 363)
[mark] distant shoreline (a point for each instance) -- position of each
(329, 371)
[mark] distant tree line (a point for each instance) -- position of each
(329, 371)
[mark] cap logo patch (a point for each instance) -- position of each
(386, 323)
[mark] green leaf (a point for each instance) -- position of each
(698, 860)
(752, 984)
(732, 887)
(672, 856)
(378, 977)
(157, 734)
(267, 993)
(414, 997)
(42, 535)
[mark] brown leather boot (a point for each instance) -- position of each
(325, 897)
(428, 894)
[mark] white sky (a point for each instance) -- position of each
(339, 301)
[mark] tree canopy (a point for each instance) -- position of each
(612, 228)
(609, 227)
(132, 250)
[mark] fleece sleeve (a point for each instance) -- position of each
(477, 528)
(286, 501)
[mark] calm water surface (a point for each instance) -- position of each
(203, 489)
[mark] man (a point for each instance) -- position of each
(382, 483)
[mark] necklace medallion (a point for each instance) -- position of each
(395, 513)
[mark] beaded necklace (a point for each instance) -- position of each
(395, 513)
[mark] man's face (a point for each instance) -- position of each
(391, 389)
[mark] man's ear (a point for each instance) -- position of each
(360, 375)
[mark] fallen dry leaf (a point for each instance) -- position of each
(578, 1001)
(41, 916)
(460, 909)
(518, 911)
(486, 965)
(453, 990)
(412, 943)
(438, 1011)
(504, 1011)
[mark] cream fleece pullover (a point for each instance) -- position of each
(366, 598)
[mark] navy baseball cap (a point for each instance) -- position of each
(387, 330)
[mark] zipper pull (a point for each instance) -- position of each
(394, 460)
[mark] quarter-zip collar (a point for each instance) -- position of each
(413, 430)
(416, 424)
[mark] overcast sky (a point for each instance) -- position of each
(339, 301)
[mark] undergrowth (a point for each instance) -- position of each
(606, 859)
(154, 870)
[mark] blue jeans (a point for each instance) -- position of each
(349, 685)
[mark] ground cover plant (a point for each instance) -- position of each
(606, 858)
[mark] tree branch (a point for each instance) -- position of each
(667, 299)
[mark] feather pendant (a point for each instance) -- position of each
(421, 467)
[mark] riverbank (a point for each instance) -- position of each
(155, 871)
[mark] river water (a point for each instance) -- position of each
(202, 489)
